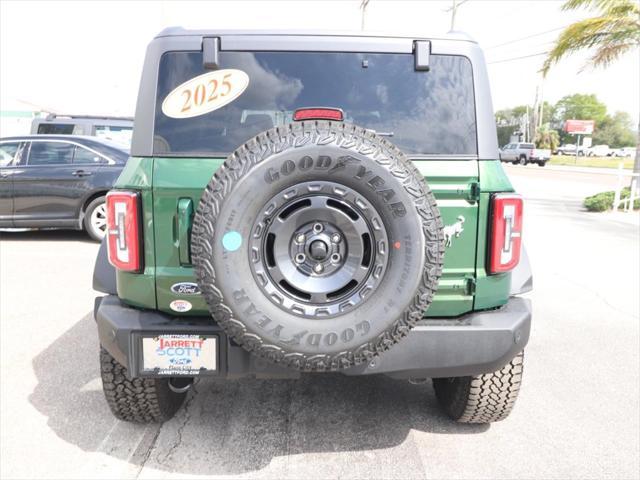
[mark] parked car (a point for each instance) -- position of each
(599, 151)
(306, 241)
(524, 153)
(570, 149)
(624, 152)
(57, 181)
(116, 129)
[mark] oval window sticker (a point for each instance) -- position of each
(205, 93)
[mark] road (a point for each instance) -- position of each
(577, 416)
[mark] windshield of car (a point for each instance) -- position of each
(423, 112)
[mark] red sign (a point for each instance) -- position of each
(580, 127)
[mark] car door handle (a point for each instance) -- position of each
(81, 173)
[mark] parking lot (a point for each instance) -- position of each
(577, 415)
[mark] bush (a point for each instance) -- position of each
(604, 201)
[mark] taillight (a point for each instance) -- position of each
(318, 114)
(124, 238)
(506, 232)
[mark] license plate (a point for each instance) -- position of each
(179, 354)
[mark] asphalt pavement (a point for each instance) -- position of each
(577, 415)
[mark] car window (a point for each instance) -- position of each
(84, 156)
(8, 152)
(55, 128)
(424, 112)
(121, 135)
(50, 153)
(526, 145)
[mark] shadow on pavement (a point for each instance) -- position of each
(236, 426)
(35, 235)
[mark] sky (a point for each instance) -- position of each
(86, 56)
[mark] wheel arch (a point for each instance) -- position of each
(90, 197)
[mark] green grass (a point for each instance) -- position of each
(601, 162)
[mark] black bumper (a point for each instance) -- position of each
(475, 343)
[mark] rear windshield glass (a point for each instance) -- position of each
(422, 112)
(526, 145)
(55, 128)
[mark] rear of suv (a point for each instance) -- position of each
(312, 203)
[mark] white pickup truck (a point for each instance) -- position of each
(524, 153)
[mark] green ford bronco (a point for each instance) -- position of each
(312, 202)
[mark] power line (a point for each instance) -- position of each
(518, 58)
(526, 38)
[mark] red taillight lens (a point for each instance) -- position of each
(506, 232)
(318, 114)
(123, 230)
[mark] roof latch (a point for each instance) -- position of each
(421, 54)
(210, 49)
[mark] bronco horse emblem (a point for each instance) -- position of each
(454, 230)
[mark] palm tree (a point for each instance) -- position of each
(614, 31)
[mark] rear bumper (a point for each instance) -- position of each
(476, 343)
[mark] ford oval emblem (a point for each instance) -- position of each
(185, 288)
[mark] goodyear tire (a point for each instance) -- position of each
(482, 398)
(317, 245)
(138, 400)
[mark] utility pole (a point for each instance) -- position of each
(535, 116)
(453, 9)
(363, 7)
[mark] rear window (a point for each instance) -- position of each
(421, 112)
(526, 145)
(55, 128)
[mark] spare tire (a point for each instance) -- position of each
(317, 245)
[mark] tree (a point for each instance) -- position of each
(579, 107)
(615, 131)
(546, 137)
(614, 31)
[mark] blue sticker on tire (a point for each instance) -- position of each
(231, 241)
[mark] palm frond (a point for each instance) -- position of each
(613, 33)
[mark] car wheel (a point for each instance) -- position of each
(481, 398)
(95, 219)
(523, 160)
(317, 245)
(541, 164)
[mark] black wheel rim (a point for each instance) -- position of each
(318, 249)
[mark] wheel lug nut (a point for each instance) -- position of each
(318, 268)
(300, 238)
(335, 258)
(317, 228)
(300, 258)
(335, 238)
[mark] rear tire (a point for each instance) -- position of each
(95, 219)
(138, 400)
(542, 164)
(523, 160)
(482, 398)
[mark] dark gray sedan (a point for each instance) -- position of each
(57, 181)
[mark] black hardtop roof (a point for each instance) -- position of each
(184, 32)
